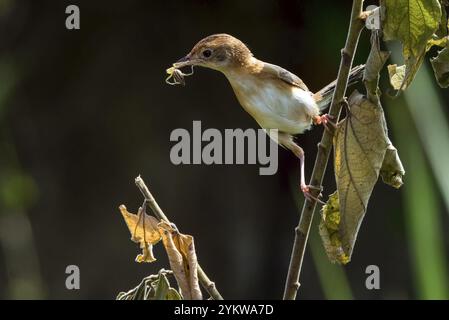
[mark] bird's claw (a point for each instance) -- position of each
(325, 120)
(309, 196)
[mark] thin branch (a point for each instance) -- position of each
(207, 284)
(324, 150)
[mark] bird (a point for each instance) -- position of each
(275, 97)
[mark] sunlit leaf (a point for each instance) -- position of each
(413, 22)
(397, 75)
(143, 229)
(439, 42)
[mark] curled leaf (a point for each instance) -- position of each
(413, 22)
(374, 64)
(392, 169)
(181, 254)
(143, 229)
(360, 145)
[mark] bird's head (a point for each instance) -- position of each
(220, 52)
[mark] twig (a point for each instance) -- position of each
(207, 284)
(324, 149)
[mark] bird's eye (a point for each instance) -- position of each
(207, 53)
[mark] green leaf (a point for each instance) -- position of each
(413, 22)
(172, 294)
(153, 287)
(440, 65)
(162, 288)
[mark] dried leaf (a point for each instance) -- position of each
(143, 229)
(392, 169)
(360, 145)
(397, 75)
(181, 254)
(413, 22)
(328, 228)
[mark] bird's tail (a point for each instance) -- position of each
(324, 96)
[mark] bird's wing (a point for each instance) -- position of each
(284, 75)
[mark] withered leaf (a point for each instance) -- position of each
(360, 145)
(143, 229)
(181, 254)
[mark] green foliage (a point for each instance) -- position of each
(413, 22)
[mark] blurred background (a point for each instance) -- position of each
(83, 112)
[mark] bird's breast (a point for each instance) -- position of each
(275, 104)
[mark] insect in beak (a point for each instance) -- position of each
(176, 76)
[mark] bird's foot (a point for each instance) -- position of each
(326, 120)
(309, 196)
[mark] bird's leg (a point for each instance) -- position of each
(287, 141)
(305, 188)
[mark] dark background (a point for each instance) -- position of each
(83, 112)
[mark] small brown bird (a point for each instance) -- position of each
(273, 96)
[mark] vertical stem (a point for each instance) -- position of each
(324, 149)
(207, 284)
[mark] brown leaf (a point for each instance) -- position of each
(183, 261)
(143, 229)
(360, 145)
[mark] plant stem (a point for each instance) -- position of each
(324, 149)
(207, 284)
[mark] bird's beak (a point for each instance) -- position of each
(183, 62)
